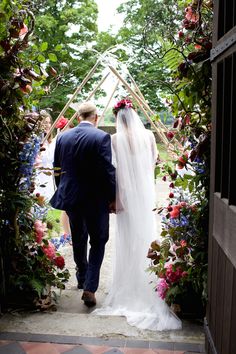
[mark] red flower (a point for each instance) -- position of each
(126, 103)
(187, 119)
(171, 195)
(182, 161)
(198, 46)
(49, 250)
(171, 185)
(173, 175)
(60, 262)
(170, 135)
(164, 178)
(61, 123)
(181, 34)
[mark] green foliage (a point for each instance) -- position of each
(150, 28)
(65, 32)
(53, 222)
(183, 269)
(25, 267)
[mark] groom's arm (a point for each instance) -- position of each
(107, 169)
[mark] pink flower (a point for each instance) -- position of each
(162, 288)
(23, 30)
(174, 276)
(183, 243)
(49, 250)
(191, 14)
(40, 229)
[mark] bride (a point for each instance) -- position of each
(132, 294)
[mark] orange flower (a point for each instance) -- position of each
(175, 212)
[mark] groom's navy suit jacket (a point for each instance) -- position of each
(87, 176)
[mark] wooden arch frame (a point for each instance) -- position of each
(134, 92)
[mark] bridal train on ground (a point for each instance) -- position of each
(132, 291)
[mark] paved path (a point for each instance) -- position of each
(75, 326)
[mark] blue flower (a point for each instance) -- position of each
(61, 241)
(27, 157)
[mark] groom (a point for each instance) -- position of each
(86, 191)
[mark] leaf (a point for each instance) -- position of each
(58, 47)
(178, 183)
(157, 171)
(185, 184)
(164, 233)
(52, 57)
(37, 286)
(44, 46)
(155, 246)
(41, 58)
(191, 186)
(188, 176)
(165, 247)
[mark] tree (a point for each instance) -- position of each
(65, 33)
(150, 29)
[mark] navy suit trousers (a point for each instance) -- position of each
(89, 223)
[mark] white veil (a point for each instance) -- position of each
(131, 293)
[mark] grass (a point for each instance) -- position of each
(164, 154)
(53, 222)
(54, 214)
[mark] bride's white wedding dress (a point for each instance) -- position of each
(132, 292)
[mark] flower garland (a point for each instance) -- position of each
(125, 103)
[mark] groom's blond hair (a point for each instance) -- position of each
(87, 110)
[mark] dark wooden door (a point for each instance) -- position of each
(221, 313)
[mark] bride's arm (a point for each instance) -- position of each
(113, 149)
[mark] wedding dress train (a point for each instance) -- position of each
(132, 292)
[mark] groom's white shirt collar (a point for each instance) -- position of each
(86, 121)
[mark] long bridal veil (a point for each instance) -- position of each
(132, 291)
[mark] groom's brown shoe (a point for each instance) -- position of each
(89, 298)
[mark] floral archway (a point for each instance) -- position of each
(29, 264)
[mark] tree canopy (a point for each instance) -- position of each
(66, 32)
(151, 29)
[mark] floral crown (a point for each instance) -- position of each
(125, 103)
